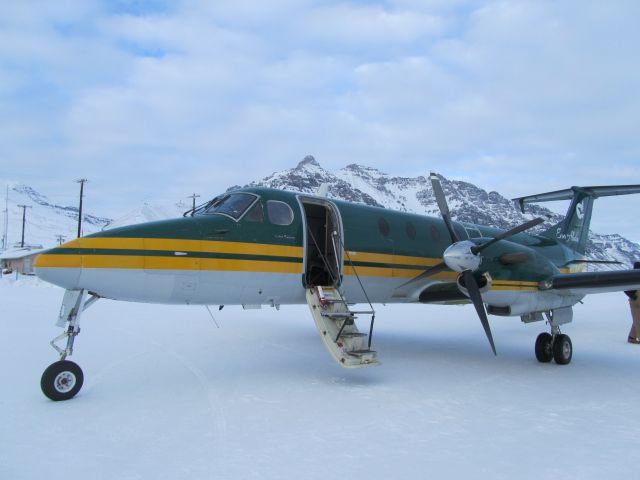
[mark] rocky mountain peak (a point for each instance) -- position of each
(309, 160)
(364, 170)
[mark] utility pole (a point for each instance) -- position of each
(194, 196)
(24, 220)
(81, 182)
(60, 239)
(6, 220)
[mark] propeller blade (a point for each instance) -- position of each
(440, 267)
(474, 294)
(442, 205)
(508, 234)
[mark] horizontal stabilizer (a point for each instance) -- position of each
(569, 193)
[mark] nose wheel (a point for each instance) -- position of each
(62, 380)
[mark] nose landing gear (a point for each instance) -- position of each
(63, 379)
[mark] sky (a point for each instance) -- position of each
(155, 100)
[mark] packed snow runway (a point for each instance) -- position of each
(168, 395)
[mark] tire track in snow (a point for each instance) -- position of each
(218, 419)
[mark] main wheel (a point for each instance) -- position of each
(61, 380)
(544, 350)
(562, 349)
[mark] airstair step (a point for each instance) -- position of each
(353, 334)
(338, 314)
(361, 353)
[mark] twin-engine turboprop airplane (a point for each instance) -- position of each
(258, 246)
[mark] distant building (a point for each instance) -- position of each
(20, 260)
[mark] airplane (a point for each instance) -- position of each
(260, 246)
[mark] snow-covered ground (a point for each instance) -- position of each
(168, 395)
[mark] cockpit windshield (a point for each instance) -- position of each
(231, 204)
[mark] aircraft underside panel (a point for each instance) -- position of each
(210, 288)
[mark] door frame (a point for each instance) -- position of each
(337, 220)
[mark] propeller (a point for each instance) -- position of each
(474, 293)
(463, 256)
(509, 233)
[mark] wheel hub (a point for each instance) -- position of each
(64, 382)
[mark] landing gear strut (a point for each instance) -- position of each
(554, 345)
(63, 379)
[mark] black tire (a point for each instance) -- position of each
(562, 349)
(544, 348)
(62, 380)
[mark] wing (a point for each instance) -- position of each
(594, 282)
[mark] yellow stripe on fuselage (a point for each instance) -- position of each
(390, 259)
(179, 245)
(135, 262)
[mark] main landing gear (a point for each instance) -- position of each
(63, 379)
(555, 345)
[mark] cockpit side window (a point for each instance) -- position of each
(279, 213)
(255, 214)
(233, 205)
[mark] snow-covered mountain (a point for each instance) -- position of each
(468, 203)
(148, 213)
(45, 221)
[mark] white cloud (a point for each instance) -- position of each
(207, 94)
(347, 25)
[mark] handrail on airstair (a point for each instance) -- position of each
(335, 235)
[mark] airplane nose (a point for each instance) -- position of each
(60, 266)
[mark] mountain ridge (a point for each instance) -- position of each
(467, 202)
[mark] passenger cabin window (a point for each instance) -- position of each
(234, 205)
(383, 226)
(279, 213)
